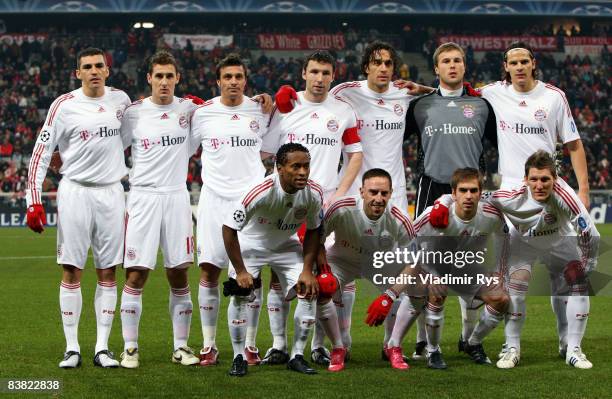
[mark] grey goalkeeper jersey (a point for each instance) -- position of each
(450, 132)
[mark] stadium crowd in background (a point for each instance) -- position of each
(33, 74)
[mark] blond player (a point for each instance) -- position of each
(85, 125)
(158, 211)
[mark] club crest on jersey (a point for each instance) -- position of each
(130, 253)
(300, 213)
(550, 218)
(398, 109)
(332, 125)
(468, 111)
(183, 123)
(540, 115)
(254, 126)
(119, 114)
(385, 242)
(239, 216)
(45, 136)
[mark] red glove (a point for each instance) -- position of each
(36, 218)
(574, 272)
(194, 99)
(285, 99)
(438, 217)
(471, 91)
(379, 308)
(301, 233)
(328, 285)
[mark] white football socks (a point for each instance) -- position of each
(71, 303)
(208, 301)
(327, 317)
(489, 319)
(345, 310)
(253, 311)
(105, 302)
(434, 321)
(236, 320)
(407, 313)
(181, 309)
(278, 313)
(303, 320)
(131, 309)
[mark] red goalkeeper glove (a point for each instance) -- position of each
(36, 218)
(285, 98)
(574, 272)
(328, 285)
(194, 99)
(471, 91)
(379, 308)
(438, 217)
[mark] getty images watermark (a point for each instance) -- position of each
(465, 264)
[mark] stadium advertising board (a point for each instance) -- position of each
(199, 42)
(499, 43)
(10, 38)
(269, 41)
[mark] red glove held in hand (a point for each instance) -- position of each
(438, 216)
(379, 308)
(194, 99)
(328, 285)
(301, 233)
(285, 98)
(36, 218)
(574, 272)
(471, 91)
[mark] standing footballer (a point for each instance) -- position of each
(85, 125)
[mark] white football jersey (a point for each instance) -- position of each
(326, 129)
(488, 220)
(231, 140)
(527, 122)
(161, 140)
(357, 236)
(87, 132)
(268, 217)
(381, 120)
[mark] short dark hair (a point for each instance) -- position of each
(376, 172)
(375, 48)
(232, 59)
(541, 160)
(463, 174)
(322, 57)
(285, 149)
(163, 57)
(512, 46)
(88, 52)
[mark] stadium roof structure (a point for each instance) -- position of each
(466, 7)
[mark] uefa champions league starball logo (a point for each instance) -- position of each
(45, 136)
(239, 216)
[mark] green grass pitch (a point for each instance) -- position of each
(32, 343)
